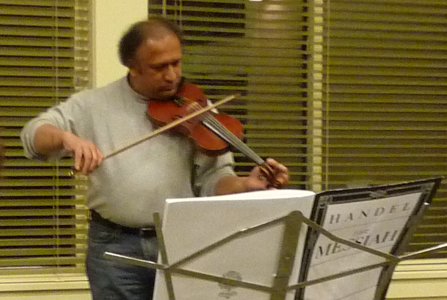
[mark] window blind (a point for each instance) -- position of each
(385, 111)
(258, 49)
(44, 50)
(346, 93)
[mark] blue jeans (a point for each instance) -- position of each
(110, 280)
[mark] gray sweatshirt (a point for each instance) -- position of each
(129, 187)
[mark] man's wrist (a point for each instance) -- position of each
(231, 185)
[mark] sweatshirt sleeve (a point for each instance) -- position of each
(209, 170)
(59, 116)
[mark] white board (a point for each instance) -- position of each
(192, 224)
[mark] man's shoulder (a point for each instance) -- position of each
(101, 92)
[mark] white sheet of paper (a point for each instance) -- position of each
(191, 224)
(375, 224)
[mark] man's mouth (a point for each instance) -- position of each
(168, 88)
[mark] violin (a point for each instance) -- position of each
(206, 131)
(213, 133)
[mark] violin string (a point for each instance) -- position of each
(231, 138)
(218, 128)
(215, 126)
(228, 136)
(236, 142)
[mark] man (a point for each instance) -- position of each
(128, 188)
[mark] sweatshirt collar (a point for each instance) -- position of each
(135, 95)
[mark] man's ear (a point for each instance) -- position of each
(134, 67)
(133, 72)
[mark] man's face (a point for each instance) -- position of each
(156, 71)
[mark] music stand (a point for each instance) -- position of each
(293, 228)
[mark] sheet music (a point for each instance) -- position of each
(376, 224)
(194, 223)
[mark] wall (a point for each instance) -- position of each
(110, 20)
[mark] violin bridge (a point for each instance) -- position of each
(179, 101)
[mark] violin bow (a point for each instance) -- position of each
(173, 124)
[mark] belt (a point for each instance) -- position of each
(145, 231)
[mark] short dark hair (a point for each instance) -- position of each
(155, 27)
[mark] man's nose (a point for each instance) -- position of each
(170, 74)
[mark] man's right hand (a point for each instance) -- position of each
(49, 139)
(86, 155)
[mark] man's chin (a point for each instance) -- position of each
(166, 95)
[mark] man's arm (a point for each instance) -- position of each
(255, 181)
(48, 139)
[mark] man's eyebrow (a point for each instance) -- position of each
(159, 65)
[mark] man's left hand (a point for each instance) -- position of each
(257, 180)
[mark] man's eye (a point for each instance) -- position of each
(158, 67)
